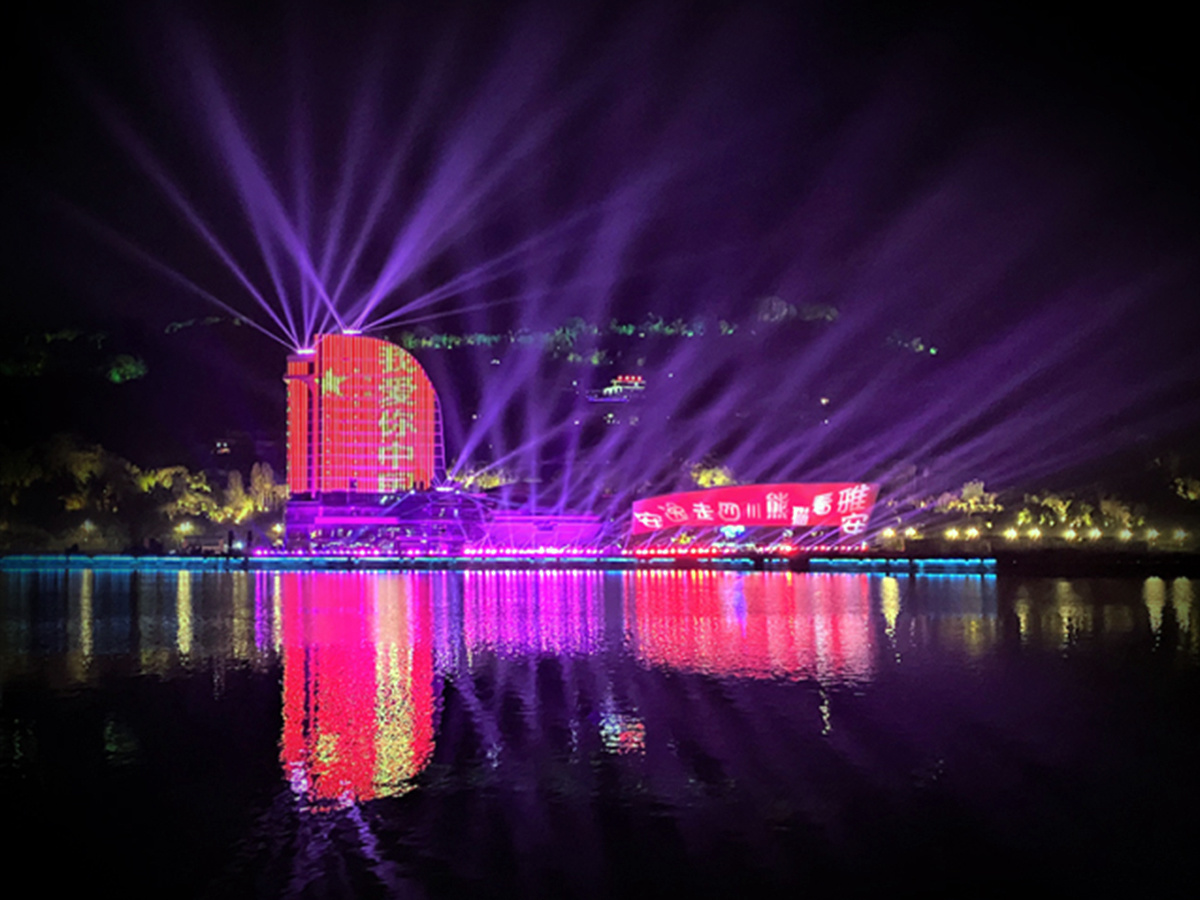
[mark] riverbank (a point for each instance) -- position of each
(1044, 563)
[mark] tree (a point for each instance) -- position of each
(184, 493)
(1114, 513)
(972, 499)
(1056, 510)
(18, 471)
(238, 506)
(1187, 487)
(265, 494)
(707, 474)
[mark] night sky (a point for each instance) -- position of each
(1014, 185)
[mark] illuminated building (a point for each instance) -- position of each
(365, 454)
(773, 512)
(366, 461)
(366, 470)
(363, 418)
(619, 390)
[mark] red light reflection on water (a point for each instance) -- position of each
(762, 625)
(358, 700)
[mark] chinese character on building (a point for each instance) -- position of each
(729, 512)
(853, 499)
(854, 523)
(676, 513)
(650, 520)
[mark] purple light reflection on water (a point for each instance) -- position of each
(533, 612)
(550, 731)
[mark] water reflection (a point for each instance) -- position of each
(85, 624)
(533, 723)
(1154, 594)
(889, 605)
(183, 613)
(831, 628)
(952, 614)
(1181, 602)
(1071, 615)
(79, 627)
(522, 612)
(759, 625)
(823, 626)
(358, 704)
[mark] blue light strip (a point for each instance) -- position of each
(974, 565)
(917, 566)
(334, 561)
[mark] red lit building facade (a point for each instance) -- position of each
(363, 418)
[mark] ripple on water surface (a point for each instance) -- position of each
(589, 734)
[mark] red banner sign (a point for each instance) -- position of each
(844, 505)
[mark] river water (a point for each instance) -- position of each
(555, 734)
